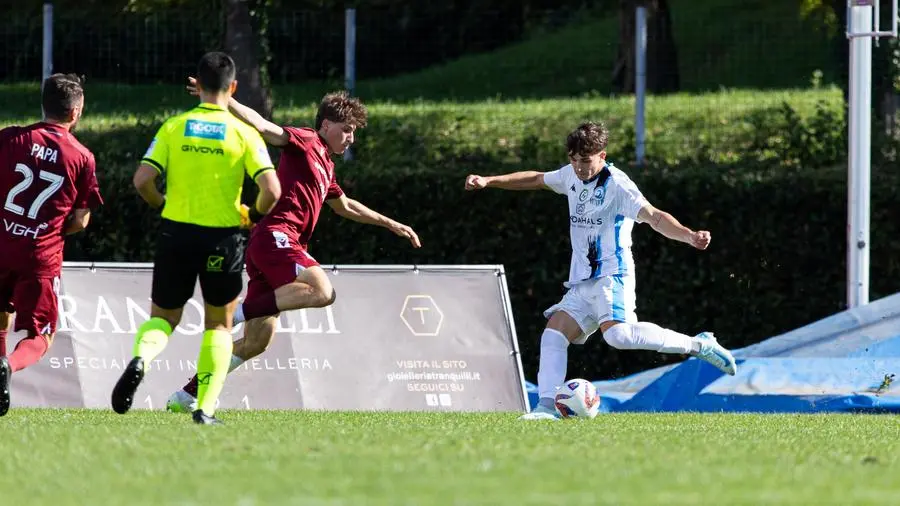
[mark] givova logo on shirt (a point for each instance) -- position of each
(204, 129)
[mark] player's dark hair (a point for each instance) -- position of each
(60, 94)
(588, 139)
(215, 72)
(340, 107)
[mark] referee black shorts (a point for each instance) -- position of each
(185, 252)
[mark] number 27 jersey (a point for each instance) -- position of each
(45, 173)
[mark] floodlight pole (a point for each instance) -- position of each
(640, 82)
(47, 60)
(860, 18)
(350, 50)
(863, 25)
(349, 59)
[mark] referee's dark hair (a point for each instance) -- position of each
(215, 72)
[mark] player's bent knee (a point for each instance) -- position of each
(320, 291)
(566, 325)
(323, 293)
(322, 296)
(620, 336)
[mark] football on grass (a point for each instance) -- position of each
(578, 398)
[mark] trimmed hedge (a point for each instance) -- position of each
(777, 259)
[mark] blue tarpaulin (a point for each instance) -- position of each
(843, 363)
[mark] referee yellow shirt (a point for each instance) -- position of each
(204, 154)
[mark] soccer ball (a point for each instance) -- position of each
(578, 398)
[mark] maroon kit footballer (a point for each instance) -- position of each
(48, 186)
(279, 242)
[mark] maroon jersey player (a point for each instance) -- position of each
(283, 274)
(48, 186)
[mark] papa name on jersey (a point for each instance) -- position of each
(44, 153)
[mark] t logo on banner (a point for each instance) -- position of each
(422, 315)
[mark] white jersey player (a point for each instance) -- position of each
(603, 206)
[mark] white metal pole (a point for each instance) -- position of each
(640, 81)
(349, 59)
(858, 192)
(350, 50)
(47, 67)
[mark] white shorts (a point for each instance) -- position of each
(590, 303)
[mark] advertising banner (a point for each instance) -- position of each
(398, 338)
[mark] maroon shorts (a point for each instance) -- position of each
(33, 299)
(273, 260)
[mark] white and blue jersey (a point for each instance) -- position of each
(601, 281)
(602, 212)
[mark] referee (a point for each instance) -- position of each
(204, 154)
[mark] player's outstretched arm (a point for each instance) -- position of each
(668, 226)
(526, 180)
(356, 211)
(272, 133)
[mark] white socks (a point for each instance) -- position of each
(624, 336)
(553, 362)
(647, 336)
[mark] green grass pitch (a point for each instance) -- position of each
(63, 457)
